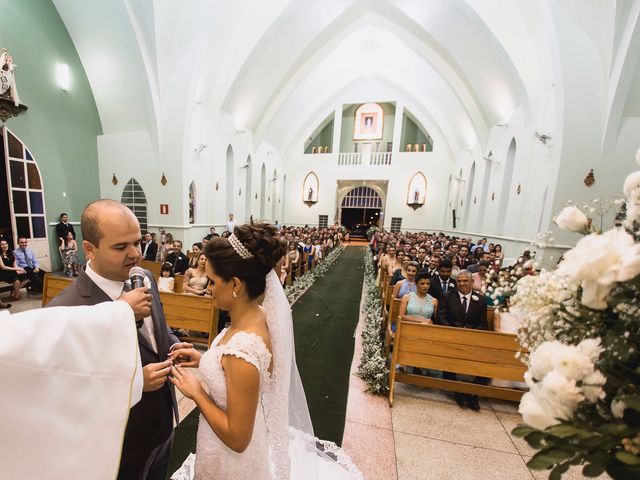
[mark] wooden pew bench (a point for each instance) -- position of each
(153, 267)
(54, 285)
(191, 312)
(458, 350)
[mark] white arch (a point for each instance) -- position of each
(510, 160)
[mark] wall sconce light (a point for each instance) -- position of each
(163, 180)
(114, 180)
(63, 75)
(216, 186)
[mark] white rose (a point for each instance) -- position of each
(591, 348)
(572, 219)
(618, 406)
(562, 394)
(572, 364)
(535, 414)
(541, 359)
(592, 386)
(599, 261)
(631, 187)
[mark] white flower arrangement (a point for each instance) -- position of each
(581, 325)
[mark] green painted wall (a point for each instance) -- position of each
(411, 133)
(60, 128)
(348, 116)
(323, 138)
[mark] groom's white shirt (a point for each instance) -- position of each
(66, 376)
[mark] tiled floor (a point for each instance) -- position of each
(426, 436)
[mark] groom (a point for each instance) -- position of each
(111, 243)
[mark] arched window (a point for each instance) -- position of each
(248, 195)
(467, 205)
(192, 202)
(506, 186)
(274, 193)
(362, 197)
(22, 207)
(230, 175)
(133, 197)
(263, 189)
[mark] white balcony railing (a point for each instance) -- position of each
(373, 158)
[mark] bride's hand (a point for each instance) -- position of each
(184, 381)
(186, 357)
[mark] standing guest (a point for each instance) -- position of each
(64, 227)
(231, 224)
(499, 253)
(26, 260)
(442, 283)
(10, 272)
(166, 282)
(196, 249)
(212, 231)
(149, 248)
(178, 259)
(111, 234)
(195, 279)
(463, 308)
(69, 254)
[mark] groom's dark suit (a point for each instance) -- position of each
(147, 439)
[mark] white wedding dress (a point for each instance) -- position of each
(283, 446)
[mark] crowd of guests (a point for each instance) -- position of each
(443, 280)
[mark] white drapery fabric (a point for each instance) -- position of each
(67, 387)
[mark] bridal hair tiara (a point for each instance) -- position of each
(239, 247)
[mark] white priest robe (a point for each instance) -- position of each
(66, 387)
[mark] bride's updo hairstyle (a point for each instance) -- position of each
(261, 242)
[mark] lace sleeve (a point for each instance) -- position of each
(249, 347)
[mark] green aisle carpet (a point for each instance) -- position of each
(324, 321)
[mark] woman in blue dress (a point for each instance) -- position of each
(419, 306)
(408, 285)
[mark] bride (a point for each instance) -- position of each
(255, 421)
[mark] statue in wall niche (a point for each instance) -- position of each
(8, 89)
(310, 195)
(416, 196)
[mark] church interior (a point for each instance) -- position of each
(463, 119)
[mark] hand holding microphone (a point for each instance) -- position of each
(139, 298)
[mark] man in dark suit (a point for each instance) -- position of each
(64, 227)
(111, 243)
(177, 258)
(442, 282)
(149, 248)
(462, 258)
(463, 308)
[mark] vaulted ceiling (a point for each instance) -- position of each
(279, 67)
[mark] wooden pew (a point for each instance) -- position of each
(153, 267)
(389, 334)
(458, 350)
(54, 285)
(178, 285)
(191, 312)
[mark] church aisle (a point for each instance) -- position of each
(324, 321)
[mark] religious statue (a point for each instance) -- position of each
(310, 195)
(416, 196)
(8, 89)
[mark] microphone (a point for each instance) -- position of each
(136, 276)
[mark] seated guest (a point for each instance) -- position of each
(462, 259)
(196, 248)
(26, 260)
(10, 272)
(482, 255)
(293, 259)
(442, 283)
(408, 285)
(499, 253)
(432, 269)
(480, 278)
(401, 273)
(178, 259)
(419, 306)
(396, 263)
(69, 254)
(149, 248)
(423, 263)
(464, 308)
(166, 282)
(195, 279)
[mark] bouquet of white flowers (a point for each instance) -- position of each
(581, 325)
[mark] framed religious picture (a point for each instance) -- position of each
(310, 188)
(368, 122)
(417, 192)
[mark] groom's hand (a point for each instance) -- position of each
(185, 356)
(155, 375)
